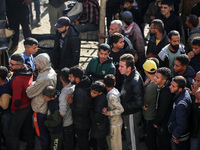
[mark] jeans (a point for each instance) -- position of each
(82, 138)
(37, 9)
(193, 143)
(68, 136)
(163, 139)
(87, 27)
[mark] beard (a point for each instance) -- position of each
(73, 82)
(175, 47)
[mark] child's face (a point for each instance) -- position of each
(119, 44)
(94, 93)
(128, 5)
(196, 49)
(31, 49)
(46, 98)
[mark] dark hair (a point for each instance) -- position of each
(109, 80)
(115, 38)
(104, 47)
(128, 22)
(167, 2)
(18, 57)
(196, 41)
(155, 60)
(129, 59)
(183, 59)
(165, 72)
(129, 1)
(158, 24)
(64, 74)
(49, 91)
(3, 72)
(173, 33)
(77, 72)
(97, 86)
(180, 80)
(193, 20)
(30, 41)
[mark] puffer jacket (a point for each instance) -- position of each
(46, 77)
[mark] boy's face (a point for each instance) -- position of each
(119, 44)
(196, 49)
(31, 49)
(94, 93)
(178, 67)
(158, 79)
(46, 98)
(103, 55)
(128, 5)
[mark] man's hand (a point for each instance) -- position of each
(105, 112)
(145, 107)
(194, 88)
(190, 55)
(76, 22)
(155, 126)
(27, 2)
(102, 36)
(175, 140)
(69, 99)
(152, 17)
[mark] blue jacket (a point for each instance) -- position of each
(178, 123)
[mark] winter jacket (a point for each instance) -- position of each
(21, 79)
(132, 93)
(97, 70)
(46, 77)
(179, 120)
(69, 55)
(81, 104)
(100, 123)
(195, 63)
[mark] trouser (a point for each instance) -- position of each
(150, 135)
(56, 141)
(37, 9)
(68, 136)
(82, 138)
(41, 130)
(110, 13)
(132, 124)
(87, 27)
(183, 145)
(22, 117)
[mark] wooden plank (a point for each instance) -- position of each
(102, 19)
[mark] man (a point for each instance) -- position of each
(194, 30)
(168, 54)
(102, 65)
(149, 105)
(179, 120)
(80, 106)
(164, 107)
(158, 40)
(67, 45)
(170, 19)
(46, 77)
(131, 100)
(20, 107)
(182, 68)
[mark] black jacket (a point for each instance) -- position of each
(164, 105)
(71, 49)
(81, 104)
(132, 93)
(100, 123)
(195, 63)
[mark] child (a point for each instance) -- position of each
(194, 55)
(54, 120)
(100, 123)
(114, 110)
(30, 45)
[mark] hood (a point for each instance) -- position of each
(115, 92)
(26, 70)
(85, 83)
(43, 61)
(195, 30)
(189, 72)
(73, 31)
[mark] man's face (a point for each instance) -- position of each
(197, 80)
(152, 29)
(14, 65)
(174, 88)
(119, 44)
(94, 93)
(187, 22)
(32, 49)
(128, 5)
(113, 29)
(197, 97)
(123, 68)
(103, 55)
(178, 67)
(174, 42)
(165, 9)
(63, 29)
(72, 79)
(46, 98)
(196, 49)
(159, 80)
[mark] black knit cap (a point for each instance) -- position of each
(126, 16)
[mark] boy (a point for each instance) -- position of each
(194, 55)
(54, 120)
(100, 122)
(114, 111)
(30, 45)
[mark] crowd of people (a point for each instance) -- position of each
(126, 92)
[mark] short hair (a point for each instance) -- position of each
(183, 59)
(18, 57)
(109, 80)
(165, 72)
(196, 41)
(3, 72)
(155, 60)
(129, 59)
(77, 72)
(158, 24)
(64, 74)
(98, 86)
(104, 47)
(180, 80)
(193, 20)
(167, 2)
(129, 1)
(30, 41)
(49, 91)
(115, 38)
(119, 24)
(173, 33)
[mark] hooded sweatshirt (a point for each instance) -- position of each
(46, 77)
